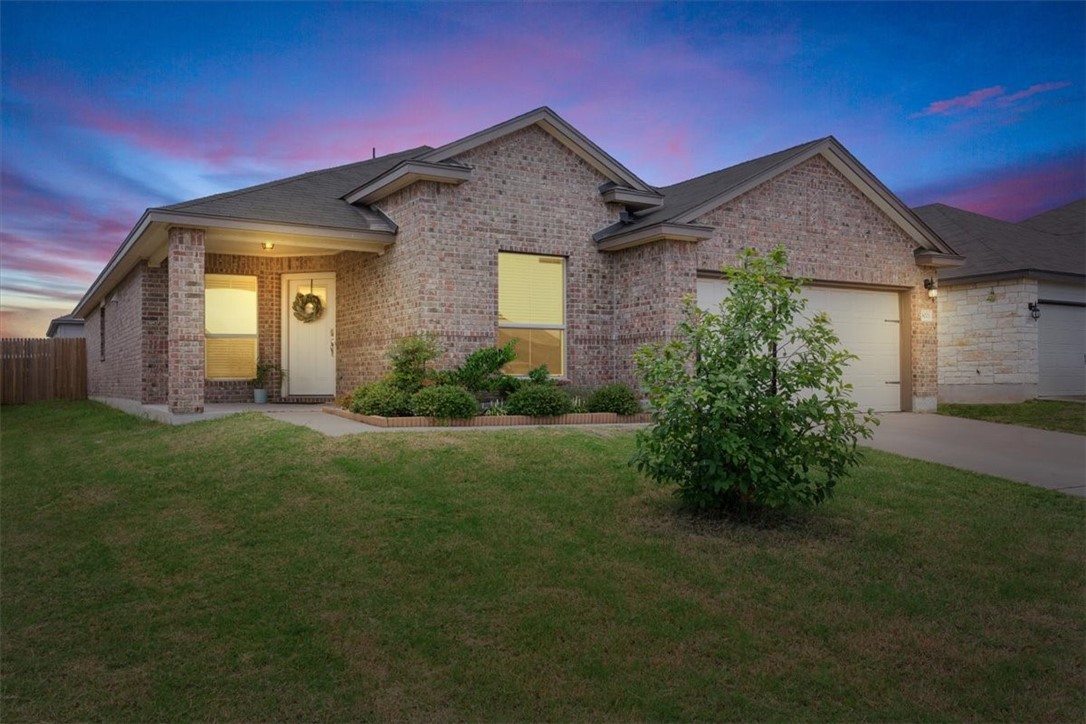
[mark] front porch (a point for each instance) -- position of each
(234, 303)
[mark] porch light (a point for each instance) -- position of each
(933, 291)
(1034, 310)
(268, 246)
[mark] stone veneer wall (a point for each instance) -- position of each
(119, 373)
(988, 342)
(832, 233)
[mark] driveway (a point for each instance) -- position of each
(1053, 460)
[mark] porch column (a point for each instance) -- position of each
(185, 269)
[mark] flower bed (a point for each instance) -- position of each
(576, 418)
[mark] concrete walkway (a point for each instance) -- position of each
(1053, 460)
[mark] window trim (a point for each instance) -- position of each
(563, 328)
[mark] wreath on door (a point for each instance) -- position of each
(307, 307)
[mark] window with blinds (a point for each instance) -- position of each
(532, 310)
(230, 330)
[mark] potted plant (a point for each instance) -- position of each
(260, 382)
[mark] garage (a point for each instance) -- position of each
(869, 325)
(1061, 348)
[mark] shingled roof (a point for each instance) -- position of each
(313, 198)
(685, 196)
(1050, 243)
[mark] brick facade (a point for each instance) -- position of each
(527, 193)
(185, 333)
(833, 233)
(114, 368)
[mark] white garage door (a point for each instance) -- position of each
(869, 325)
(1062, 350)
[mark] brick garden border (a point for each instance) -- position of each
(576, 418)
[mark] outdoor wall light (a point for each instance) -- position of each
(1035, 310)
(268, 246)
(933, 291)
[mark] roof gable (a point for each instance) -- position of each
(686, 201)
(557, 127)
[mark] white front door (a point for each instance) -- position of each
(309, 343)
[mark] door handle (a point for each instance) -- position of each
(332, 342)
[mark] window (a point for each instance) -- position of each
(532, 310)
(229, 327)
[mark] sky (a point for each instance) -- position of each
(108, 109)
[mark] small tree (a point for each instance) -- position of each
(749, 405)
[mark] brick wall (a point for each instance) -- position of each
(154, 343)
(185, 333)
(649, 285)
(528, 193)
(988, 342)
(832, 233)
(119, 374)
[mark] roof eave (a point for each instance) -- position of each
(145, 239)
(403, 175)
(632, 198)
(939, 260)
(1039, 274)
(664, 231)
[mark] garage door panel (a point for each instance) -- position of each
(868, 325)
(1062, 350)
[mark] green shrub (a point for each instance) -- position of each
(482, 368)
(506, 385)
(617, 398)
(380, 398)
(749, 406)
(410, 358)
(540, 376)
(539, 401)
(444, 402)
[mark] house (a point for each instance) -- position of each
(526, 230)
(66, 326)
(1013, 317)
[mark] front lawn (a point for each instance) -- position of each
(1058, 415)
(245, 569)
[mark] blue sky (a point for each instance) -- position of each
(111, 108)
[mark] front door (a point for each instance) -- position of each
(309, 344)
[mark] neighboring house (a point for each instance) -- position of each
(67, 326)
(1012, 319)
(526, 230)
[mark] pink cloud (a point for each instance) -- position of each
(986, 97)
(1031, 91)
(960, 103)
(1011, 194)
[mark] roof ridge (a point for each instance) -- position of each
(781, 152)
(277, 182)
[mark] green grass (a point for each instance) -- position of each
(1059, 415)
(245, 569)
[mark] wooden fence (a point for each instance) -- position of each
(42, 369)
